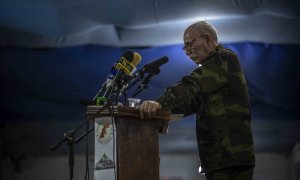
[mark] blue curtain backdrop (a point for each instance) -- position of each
(47, 84)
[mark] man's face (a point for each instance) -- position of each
(196, 45)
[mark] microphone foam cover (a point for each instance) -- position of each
(128, 55)
(136, 59)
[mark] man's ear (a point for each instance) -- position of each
(208, 37)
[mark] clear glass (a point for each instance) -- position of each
(134, 102)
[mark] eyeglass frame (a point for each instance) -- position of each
(191, 43)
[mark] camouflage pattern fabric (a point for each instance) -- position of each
(232, 173)
(217, 93)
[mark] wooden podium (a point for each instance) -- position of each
(137, 142)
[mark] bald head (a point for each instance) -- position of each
(203, 27)
(200, 39)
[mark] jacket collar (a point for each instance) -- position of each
(213, 53)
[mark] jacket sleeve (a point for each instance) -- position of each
(181, 98)
(187, 95)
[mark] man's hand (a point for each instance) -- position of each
(149, 108)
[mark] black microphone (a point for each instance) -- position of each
(151, 75)
(145, 83)
(153, 66)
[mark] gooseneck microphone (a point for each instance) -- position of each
(153, 66)
(152, 69)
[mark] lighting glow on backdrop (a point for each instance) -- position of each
(55, 80)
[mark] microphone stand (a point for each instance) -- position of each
(138, 77)
(69, 138)
(70, 134)
(71, 141)
(145, 84)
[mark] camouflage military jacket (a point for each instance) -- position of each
(217, 93)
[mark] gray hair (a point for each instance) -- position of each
(204, 27)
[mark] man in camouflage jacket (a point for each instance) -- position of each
(216, 91)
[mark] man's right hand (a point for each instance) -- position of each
(149, 108)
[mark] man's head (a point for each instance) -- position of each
(200, 39)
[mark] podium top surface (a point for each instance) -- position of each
(125, 111)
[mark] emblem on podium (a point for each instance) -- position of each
(104, 132)
(104, 163)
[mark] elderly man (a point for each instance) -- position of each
(216, 92)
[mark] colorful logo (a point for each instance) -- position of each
(104, 131)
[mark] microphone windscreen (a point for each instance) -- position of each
(128, 55)
(136, 59)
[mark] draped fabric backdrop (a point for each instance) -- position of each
(47, 84)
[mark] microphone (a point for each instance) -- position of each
(145, 83)
(153, 66)
(124, 69)
(128, 66)
(136, 59)
(109, 80)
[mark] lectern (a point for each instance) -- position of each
(127, 149)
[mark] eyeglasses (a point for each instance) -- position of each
(189, 44)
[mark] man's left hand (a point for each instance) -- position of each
(149, 108)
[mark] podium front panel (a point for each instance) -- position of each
(105, 149)
(137, 149)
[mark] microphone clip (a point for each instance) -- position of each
(145, 83)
